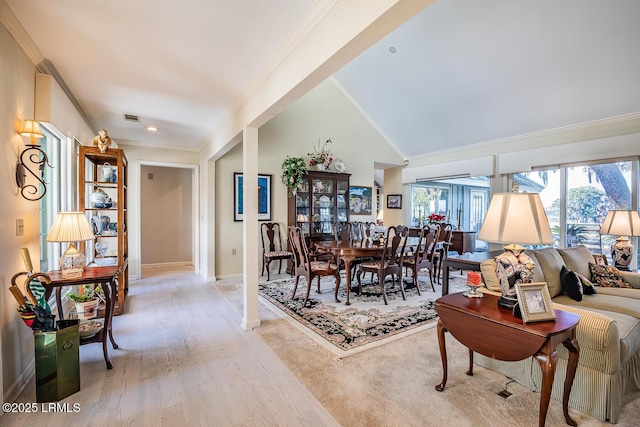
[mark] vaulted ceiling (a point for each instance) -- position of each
(460, 72)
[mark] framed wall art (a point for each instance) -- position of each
(359, 200)
(394, 201)
(264, 197)
(535, 302)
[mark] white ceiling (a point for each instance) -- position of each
(463, 72)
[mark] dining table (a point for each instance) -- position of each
(349, 250)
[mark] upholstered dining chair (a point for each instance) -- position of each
(310, 268)
(388, 263)
(272, 248)
(424, 255)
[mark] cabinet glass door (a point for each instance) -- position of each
(343, 201)
(324, 206)
(302, 207)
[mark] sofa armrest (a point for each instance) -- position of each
(632, 278)
(598, 339)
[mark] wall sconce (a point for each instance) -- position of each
(36, 156)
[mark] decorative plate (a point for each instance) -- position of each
(325, 202)
(340, 166)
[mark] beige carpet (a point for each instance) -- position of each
(393, 385)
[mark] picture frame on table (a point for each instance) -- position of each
(600, 259)
(535, 302)
(394, 201)
(264, 197)
(359, 200)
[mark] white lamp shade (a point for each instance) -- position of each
(517, 218)
(621, 223)
(31, 128)
(70, 227)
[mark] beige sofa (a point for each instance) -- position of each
(608, 335)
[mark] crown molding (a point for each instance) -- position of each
(317, 11)
(18, 32)
(617, 125)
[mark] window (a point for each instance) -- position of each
(577, 198)
(463, 201)
(49, 205)
(62, 189)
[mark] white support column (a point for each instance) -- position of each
(250, 228)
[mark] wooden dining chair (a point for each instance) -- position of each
(357, 232)
(307, 266)
(444, 244)
(423, 255)
(388, 263)
(342, 230)
(272, 248)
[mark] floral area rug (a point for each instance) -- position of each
(367, 322)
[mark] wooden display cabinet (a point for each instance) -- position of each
(109, 220)
(322, 200)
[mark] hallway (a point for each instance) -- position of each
(183, 360)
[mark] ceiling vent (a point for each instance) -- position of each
(131, 118)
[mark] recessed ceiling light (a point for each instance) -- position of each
(152, 128)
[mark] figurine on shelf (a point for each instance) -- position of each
(102, 140)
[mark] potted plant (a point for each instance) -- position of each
(293, 172)
(87, 301)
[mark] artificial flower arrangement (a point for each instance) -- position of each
(321, 155)
(293, 171)
(434, 218)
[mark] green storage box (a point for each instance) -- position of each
(57, 362)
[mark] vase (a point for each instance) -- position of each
(87, 310)
(321, 167)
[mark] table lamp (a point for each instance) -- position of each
(71, 227)
(515, 219)
(623, 224)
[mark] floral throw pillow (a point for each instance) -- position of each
(607, 276)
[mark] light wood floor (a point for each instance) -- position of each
(183, 360)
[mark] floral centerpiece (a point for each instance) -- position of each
(293, 171)
(434, 218)
(321, 156)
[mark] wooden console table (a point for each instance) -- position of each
(483, 327)
(469, 261)
(105, 275)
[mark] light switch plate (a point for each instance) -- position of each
(19, 227)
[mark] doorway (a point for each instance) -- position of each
(167, 224)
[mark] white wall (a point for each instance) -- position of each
(16, 104)
(166, 225)
(136, 157)
(321, 114)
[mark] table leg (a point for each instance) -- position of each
(445, 279)
(59, 302)
(108, 313)
(347, 267)
(470, 371)
(547, 363)
(443, 355)
(114, 298)
(574, 352)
